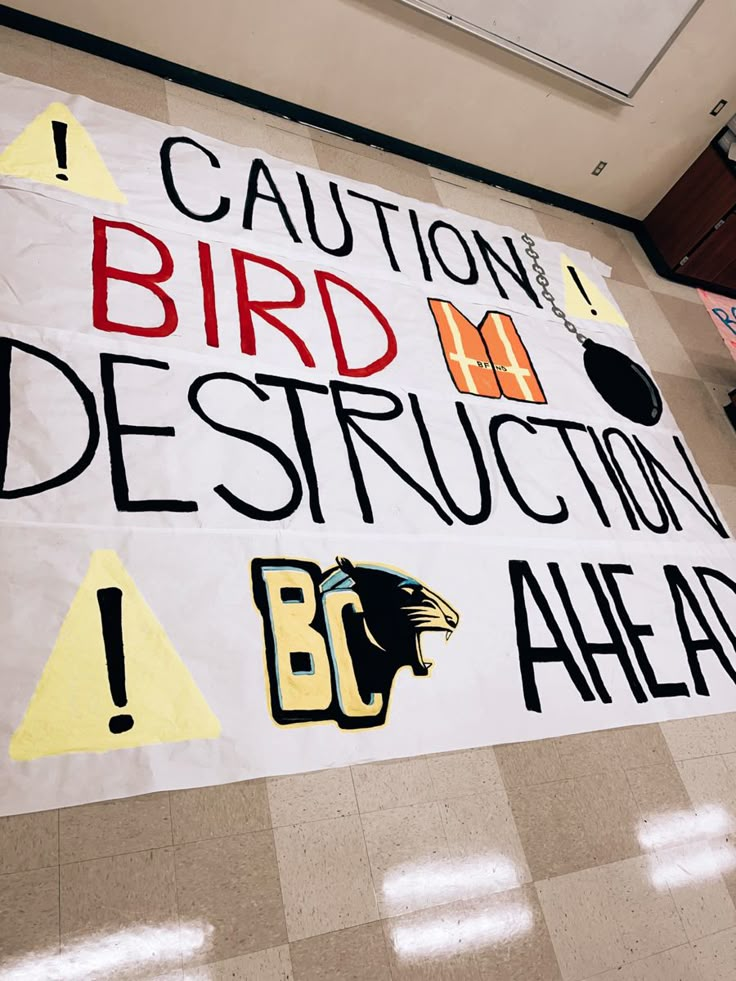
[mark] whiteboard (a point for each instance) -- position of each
(609, 45)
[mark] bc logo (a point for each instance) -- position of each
(334, 641)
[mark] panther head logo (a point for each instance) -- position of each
(335, 640)
(386, 634)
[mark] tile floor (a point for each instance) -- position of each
(607, 856)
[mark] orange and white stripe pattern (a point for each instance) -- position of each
(514, 370)
(465, 353)
(488, 360)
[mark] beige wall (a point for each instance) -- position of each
(390, 68)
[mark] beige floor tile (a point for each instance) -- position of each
(410, 859)
(551, 828)
(676, 964)
(577, 908)
(601, 919)
(516, 945)
(724, 849)
(273, 964)
(716, 369)
(652, 332)
(358, 954)
(666, 811)
(212, 812)
(719, 393)
(293, 145)
(438, 944)
(450, 178)
(26, 56)
(716, 956)
(524, 764)
(723, 727)
(588, 752)
(712, 789)
(609, 815)
(312, 796)
(395, 783)
(641, 746)
(653, 280)
(489, 204)
(467, 772)
(231, 885)
(575, 824)
(113, 827)
(692, 873)
(220, 118)
(29, 841)
(109, 83)
(696, 331)
(325, 876)
(29, 916)
(559, 213)
(600, 240)
(646, 918)
(484, 844)
(705, 427)
(690, 738)
(393, 173)
(725, 496)
(127, 903)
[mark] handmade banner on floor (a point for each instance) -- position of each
(296, 472)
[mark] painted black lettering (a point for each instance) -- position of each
(116, 430)
(522, 578)
(346, 246)
(589, 649)
(292, 387)
(253, 193)
(292, 474)
(562, 514)
(519, 274)
(223, 205)
(380, 207)
(346, 418)
(468, 277)
(694, 646)
(634, 632)
(484, 485)
(7, 345)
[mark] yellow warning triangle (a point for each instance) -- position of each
(62, 155)
(583, 299)
(72, 709)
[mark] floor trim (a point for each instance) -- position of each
(171, 71)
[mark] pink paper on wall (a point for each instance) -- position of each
(722, 312)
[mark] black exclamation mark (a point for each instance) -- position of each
(110, 601)
(576, 279)
(60, 129)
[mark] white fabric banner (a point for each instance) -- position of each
(296, 472)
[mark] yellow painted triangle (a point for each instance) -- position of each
(596, 306)
(33, 155)
(72, 707)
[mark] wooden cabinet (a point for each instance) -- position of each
(694, 226)
(715, 260)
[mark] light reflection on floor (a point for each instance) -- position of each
(106, 955)
(440, 937)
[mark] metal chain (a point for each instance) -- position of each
(544, 284)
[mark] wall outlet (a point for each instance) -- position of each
(718, 106)
(599, 167)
